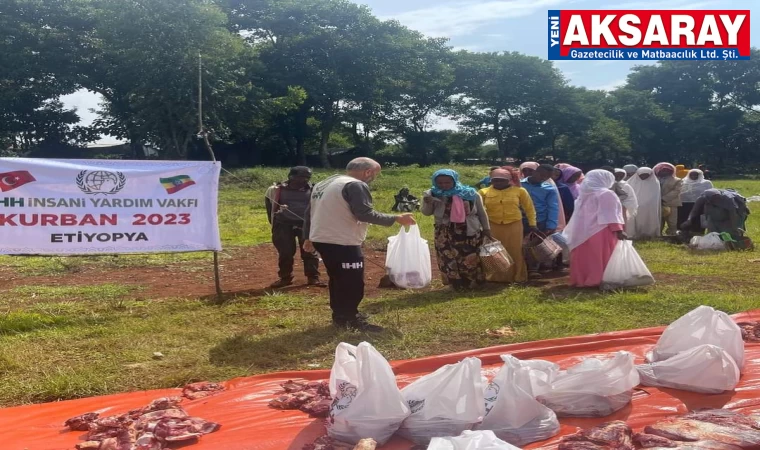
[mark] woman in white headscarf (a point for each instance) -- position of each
(694, 185)
(630, 203)
(647, 223)
(630, 171)
(595, 229)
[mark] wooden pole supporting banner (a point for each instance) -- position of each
(203, 135)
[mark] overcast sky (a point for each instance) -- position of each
(503, 25)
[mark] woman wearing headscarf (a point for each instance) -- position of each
(461, 223)
(681, 171)
(595, 229)
(505, 201)
(527, 168)
(565, 196)
(630, 202)
(630, 171)
(694, 185)
(647, 222)
(724, 212)
(571, 176)
(670, 190)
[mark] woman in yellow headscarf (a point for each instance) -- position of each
(681, 171)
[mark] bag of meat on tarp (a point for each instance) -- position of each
(511, 412)
(593, 388)
(366, 399)
(706, 369)
(537, 379)
(471, 440)
(704, 325)
(407, 261)
(445, 402)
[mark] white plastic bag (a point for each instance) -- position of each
(593, 388)
(471, 440)
(704, 325)
(366, 399)
(708, 242)
(706, 369)
(445, 402)
(408, 259)
(625, 269)
(538, 377)
(511, 412)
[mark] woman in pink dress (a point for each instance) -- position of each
(594, 230)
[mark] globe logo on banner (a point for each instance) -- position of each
(100, 182)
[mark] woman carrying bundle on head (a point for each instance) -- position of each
(460, 225)
(505, 202)
(594, 230)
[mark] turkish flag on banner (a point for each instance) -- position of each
(12, 180)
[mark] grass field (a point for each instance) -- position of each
(60, 341)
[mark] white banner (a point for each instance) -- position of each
(66, 207)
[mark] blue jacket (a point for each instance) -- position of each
(546, 202)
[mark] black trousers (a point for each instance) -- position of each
(345, 267)
(287, 238)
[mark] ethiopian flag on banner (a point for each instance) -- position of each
(176, 184)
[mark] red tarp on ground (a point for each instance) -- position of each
(249, 424)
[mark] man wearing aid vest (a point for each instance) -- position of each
(336, 226)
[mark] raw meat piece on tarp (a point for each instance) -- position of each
(706, 369)
(366, 400)
(471, 440)
(511, 412)
(593, 388)
(711, 425)
(750, 331)
(159, 404)
(292, 401)
(445, 402)
(650, 441)
(703, 325)
(202, 389)
(81, 423)
(615, 435)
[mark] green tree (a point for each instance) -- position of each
(507, 97)
(422, 88)
(327, 47)
(39, 42)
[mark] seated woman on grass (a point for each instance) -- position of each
(460, 225)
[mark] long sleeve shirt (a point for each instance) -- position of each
(546, 202)
(508, 205)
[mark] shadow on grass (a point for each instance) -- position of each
(286, 350)
(421, 299)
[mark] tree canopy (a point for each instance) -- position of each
(314, 81)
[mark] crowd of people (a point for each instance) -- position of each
(586, 213)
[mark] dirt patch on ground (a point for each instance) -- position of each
(250, 270)
(244, 271)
